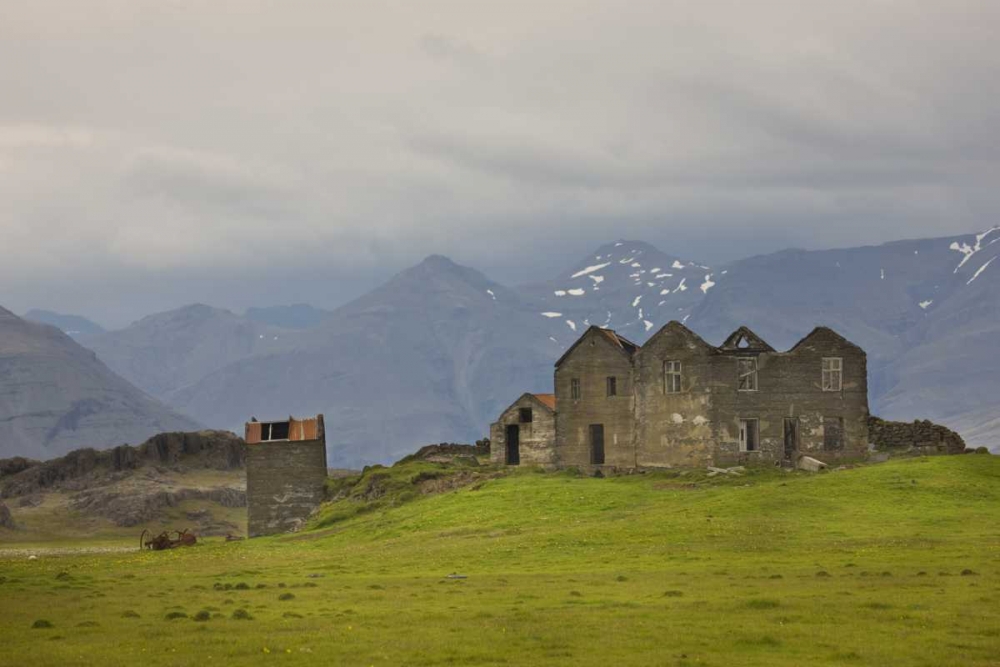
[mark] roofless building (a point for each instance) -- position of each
(679, 401)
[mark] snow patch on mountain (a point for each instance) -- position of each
(969, 251)
(590, 269)
(980, 270)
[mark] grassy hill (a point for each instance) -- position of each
(895, 564)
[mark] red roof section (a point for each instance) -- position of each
(549, 400)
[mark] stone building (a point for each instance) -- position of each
(525, 431)
(679, 401)
(286, 473)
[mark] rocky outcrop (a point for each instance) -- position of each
(15, 465)
(86, 468)
(918, 437)
(448, 452)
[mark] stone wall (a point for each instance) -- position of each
(700, 424)
(592, 361)
(921, 437)
(285, 482)
(537, 437)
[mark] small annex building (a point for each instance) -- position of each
(286, 473)
(525, 431)
(680, 401)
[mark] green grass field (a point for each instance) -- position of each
(892, 564)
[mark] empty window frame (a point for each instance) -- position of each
(574, 389)
(612, 385)
(749, 435)
(833, 434)
(746, 373)
(833, 373)
(524, 415)
(273, 431)
(671, 377)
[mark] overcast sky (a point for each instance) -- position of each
(154, 154)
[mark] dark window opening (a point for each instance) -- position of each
(833, 433)
(749, 435)
(791, 437)
(612, 386)
(746, 374)
(524, 415)
(574, 388)
(273, 431)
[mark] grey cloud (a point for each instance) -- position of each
(148, 149)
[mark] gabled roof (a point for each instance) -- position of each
(827, 332)
(545, 401)
(744, 339)
(548, 400)
(673, 326)
(622, 343)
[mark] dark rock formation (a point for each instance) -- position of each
(445, 452)
(919, 437)
(83, 468)
(15, 465)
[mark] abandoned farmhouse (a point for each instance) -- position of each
(679, 401)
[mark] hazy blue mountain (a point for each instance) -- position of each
(56, 396)
(167, 351)
(432, 355)
(74, 325)
(295, 316)
(436, 352)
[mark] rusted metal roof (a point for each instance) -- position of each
(290, 429)
(548, 400)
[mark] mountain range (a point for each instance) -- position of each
(435, 353)
(56, 396)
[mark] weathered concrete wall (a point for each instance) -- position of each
(700, 424)
(592, 362)
(921, 437)
(790, 386)
(675, 429)
(537, 437)
(284, 484)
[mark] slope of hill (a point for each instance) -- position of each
(56, 396)
(73, 325)
(295, 316)
(889, 564)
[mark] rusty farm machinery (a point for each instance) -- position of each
(164, 541)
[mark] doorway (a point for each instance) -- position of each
(513, 445)
(597, 444)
